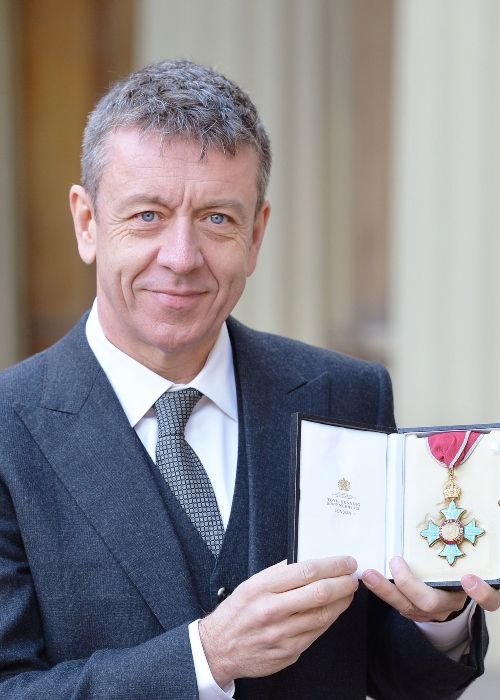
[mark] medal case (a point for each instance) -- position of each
(430, 495)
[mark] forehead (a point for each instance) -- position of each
(130, 151)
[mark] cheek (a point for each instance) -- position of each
(229, 263)
(231, 286)
(229, 273)
(122, 262)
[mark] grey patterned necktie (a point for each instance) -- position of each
(181, 468)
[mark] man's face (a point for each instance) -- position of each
(174, 240)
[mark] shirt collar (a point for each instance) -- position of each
(138, 387)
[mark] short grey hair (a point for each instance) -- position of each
(176, 98)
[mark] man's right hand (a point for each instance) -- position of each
(270, 619)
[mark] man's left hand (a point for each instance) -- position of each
(411, 597)
(485, 596)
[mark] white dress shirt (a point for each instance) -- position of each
(216, 414)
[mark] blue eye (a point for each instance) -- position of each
(217, 218)
(147, 216)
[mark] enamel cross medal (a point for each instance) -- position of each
(451, 449)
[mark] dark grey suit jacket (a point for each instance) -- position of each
(95, 593)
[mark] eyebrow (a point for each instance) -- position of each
(143, 198)
(226, 204)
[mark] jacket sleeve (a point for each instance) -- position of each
(404, 665)
(157, 669)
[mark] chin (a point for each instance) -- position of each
(171, 339)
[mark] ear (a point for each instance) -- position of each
(84, 222)
(259, 227)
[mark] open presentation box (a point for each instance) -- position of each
(374, 494)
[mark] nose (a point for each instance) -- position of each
(180, 247)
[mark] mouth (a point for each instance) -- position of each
(176, 299)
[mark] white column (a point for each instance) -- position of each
(9, 219)
(446, 224)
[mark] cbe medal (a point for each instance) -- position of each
(452, 449)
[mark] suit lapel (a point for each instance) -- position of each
(82, 431)
(268, 394)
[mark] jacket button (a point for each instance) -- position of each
(222, 594)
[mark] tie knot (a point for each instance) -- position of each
(174, 408)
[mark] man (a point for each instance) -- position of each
(120, 577)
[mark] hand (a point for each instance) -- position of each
(486, 596)
(411, 597)
(270, 619)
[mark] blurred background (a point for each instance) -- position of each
(385, 122)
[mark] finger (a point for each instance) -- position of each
(318, 620)
(318, 594)
(280, 578)
(387, 591)
(431, 601)
(487, 597)
(430, 605)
